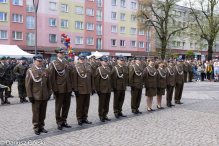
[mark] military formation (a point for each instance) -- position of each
(92, 76)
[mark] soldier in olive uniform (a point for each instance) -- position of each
(38, 88)
(113, 62)
(190, 69)
(119, 75)
(170, 81)
(11, 67)
(165, 63)
(186, 69)
(71, 67)
(93, 64)
(136, 83)
(178, 71)
(20, 71)
(103, 87)
(156, 65)
(83, 87)
(62, 86)
(5, 77)
(128, 65)
(150, 82)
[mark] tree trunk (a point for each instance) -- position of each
(163, 50)
(210, 46)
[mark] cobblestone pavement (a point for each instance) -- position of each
(196, 122)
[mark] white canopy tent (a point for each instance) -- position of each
(96, 54)
(13, 51)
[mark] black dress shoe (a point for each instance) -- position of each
(152, 109)
(102, 120)
(160, 107)
(121, 115)
(86, 122)
(179, 102)
(43, 130)
(107, 119)
(66, 125)
(117, 116)
(172, 104)
(169, 105)
(21, 100)
(149, 110)
(37, 132)
(80, 123)
(11, 96)
(59, 127)
(135, 112)
(139, 112)
(24, 99)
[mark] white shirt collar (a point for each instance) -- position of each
(171, 66)
(3, 63)
(160, 68)
(60, 59)
(120, 65)
(150, 66)
(38, 67)
(137, 64)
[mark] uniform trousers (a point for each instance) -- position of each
(178, 92)
(169, 94)
(118, 101)
(62, 104)
(6, 83)
(104, 101)
(21, 88)
(83, 103)
(136, 99)
(39, 114)
(190, 76)
(185, 76)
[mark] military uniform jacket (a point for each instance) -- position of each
(71, 67)
(165, 65)
(5, 72)
(156, 65)
(103, 79)
(136, 76)
(119, 75)
(170, 79)
(190, 67)
(178, 71)
(38, 83)
(112, 64)
(19, 70)
(60, 76)
(83, 79)
(93, 66)
(186, 66)
(161, 78)
(150, 76)
(10, 74)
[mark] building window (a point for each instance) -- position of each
(3, 16)
(17, 2)
(52, 22)
(133, 5)
(99, 29)
(122, 29)
(122, 16)
(30, 39)
(3, 1)
(133, 18)
(90, 0)
(141, 44)
(196, 45)
(64, 8)
(133, 30)
(133, 43)
(99, 15)
(78, 25)
(99, 3)
(52, 38)
(90, 41)
(148, 34)
(16, 35)
(141, 32)
(183, 47)
(114, 29)
(90, 12)
(191, 45)
(52, 6)
(17, 18)
(123, 3)
(64, 23)
(29, 6)
(147, 46)
(141, 7)
(99, 44)
(78, 40)
(114, 2)
(30, 22)
(78, 10)
(3, 34)
(178, 44)
(113, 15)
(113, 42)
(122, 43)
(90, 26)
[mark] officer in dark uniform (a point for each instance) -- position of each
(10, 72)
(186, 69)
(190, 69)
(20, 71)
(4, 80)
(37, 79)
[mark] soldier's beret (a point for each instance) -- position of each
(120, 57)
(93, 57)
(60, 50)
(7, 57)
(69, 60)
(103, 58)
(38, 57)
(23, 58)
(150, 59)
(82, 56)
(171, 60)
(137, 58)
(143, 58)
(130, 59)
(3, 57)
(159, 61)
(179, 59)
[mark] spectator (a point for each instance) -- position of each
(202, 71)
(198, 73)
(216, 77)
(208, 71)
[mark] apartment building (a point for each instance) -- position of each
(109, 26)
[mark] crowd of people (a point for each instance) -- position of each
(63, 77)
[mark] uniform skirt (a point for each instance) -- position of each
(161, 91)
(151, 92)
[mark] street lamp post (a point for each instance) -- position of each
(147, 35)
(35, 9)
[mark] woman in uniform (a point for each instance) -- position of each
(150, 76)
